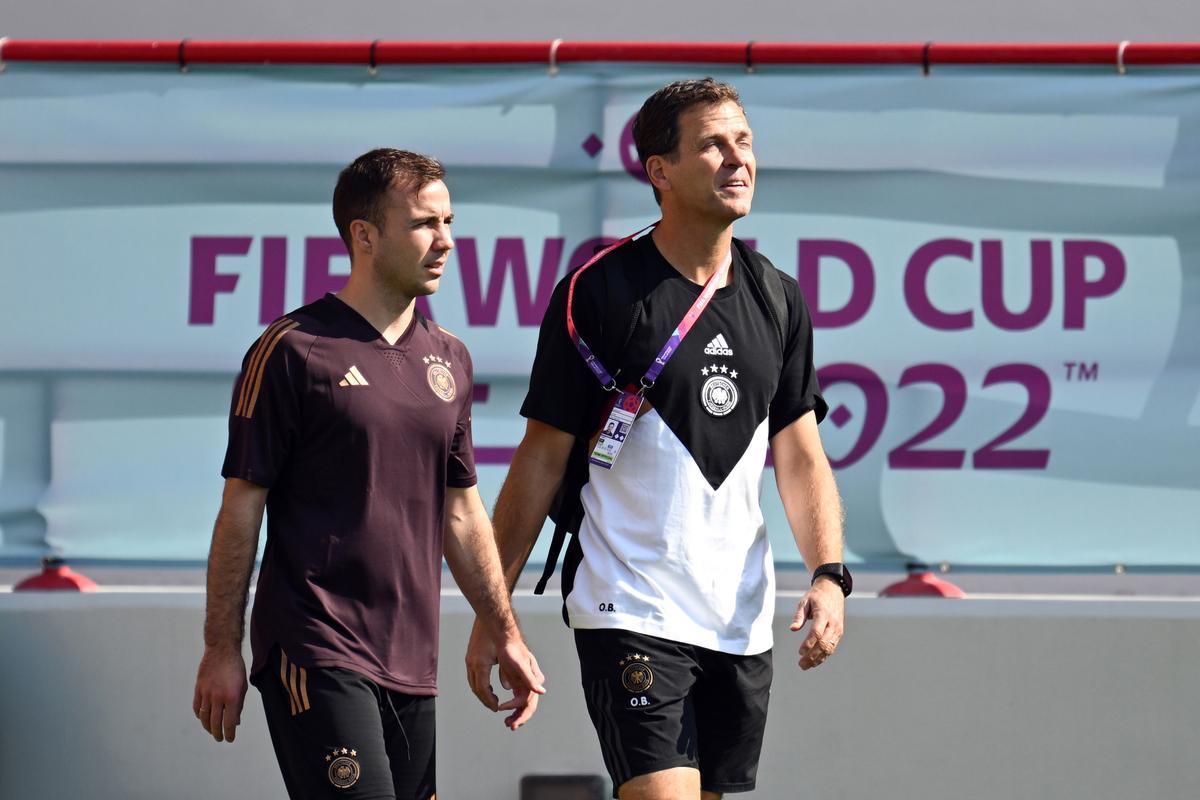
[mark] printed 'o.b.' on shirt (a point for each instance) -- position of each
(356, 441)
(673, 542)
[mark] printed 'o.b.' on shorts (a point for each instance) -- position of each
(658, 704)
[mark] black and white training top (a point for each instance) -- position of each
(673, 542)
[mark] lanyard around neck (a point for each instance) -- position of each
(669, 349)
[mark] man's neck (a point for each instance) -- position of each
(694, 249)
(390, 313)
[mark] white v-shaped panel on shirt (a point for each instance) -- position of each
(666, 554)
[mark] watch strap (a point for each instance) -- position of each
(838, 573)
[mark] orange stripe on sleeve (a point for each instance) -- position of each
(248, 412)
(252, 364)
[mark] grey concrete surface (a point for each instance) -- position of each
(121, 577)
(926, 699)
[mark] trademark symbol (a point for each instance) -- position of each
(1082, 371)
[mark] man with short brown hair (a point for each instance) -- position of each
(351, 424)
(669, 584)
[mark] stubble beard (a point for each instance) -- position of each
(398, 289)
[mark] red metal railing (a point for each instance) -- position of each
(925, 54)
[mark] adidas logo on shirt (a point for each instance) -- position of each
(353, 378)
(718, 346)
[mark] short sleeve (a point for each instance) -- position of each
(265, 411)
(460, 463)
(563, 392)
(798, 391)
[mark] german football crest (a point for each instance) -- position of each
(719, 394)
(344, 770)
(440, 378)
(636, 676)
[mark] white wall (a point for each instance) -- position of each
(766, 20)
(931, 699)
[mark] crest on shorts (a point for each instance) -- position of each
(636, 675)
(440, 378)
(344, 769)
(719, 394)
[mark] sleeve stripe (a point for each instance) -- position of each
(262, 366)
(255, 355)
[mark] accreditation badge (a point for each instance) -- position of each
(615, 429)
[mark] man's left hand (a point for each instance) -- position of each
(825, 605)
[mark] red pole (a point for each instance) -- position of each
(832, 54)
(184, 51)
(1024, 53)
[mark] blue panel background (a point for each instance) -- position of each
(112, 406)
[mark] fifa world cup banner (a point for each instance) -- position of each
(1002, 265)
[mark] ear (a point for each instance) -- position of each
(362, 235)
(656, 172)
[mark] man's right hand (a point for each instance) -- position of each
(220, 692)
(481, 657)
(519, 672)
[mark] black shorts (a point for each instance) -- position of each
(658, 704)
(334, 730)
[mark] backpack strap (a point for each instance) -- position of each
(623, 311)
(566, 510)
(767, 281)
(556, 544)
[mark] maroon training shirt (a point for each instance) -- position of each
(357, 441)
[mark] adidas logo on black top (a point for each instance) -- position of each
(353, 378)
(718, 346)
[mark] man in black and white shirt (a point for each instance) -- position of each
(669, 585)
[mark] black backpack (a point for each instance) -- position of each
(625, 310)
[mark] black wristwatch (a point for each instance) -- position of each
(839, 573)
